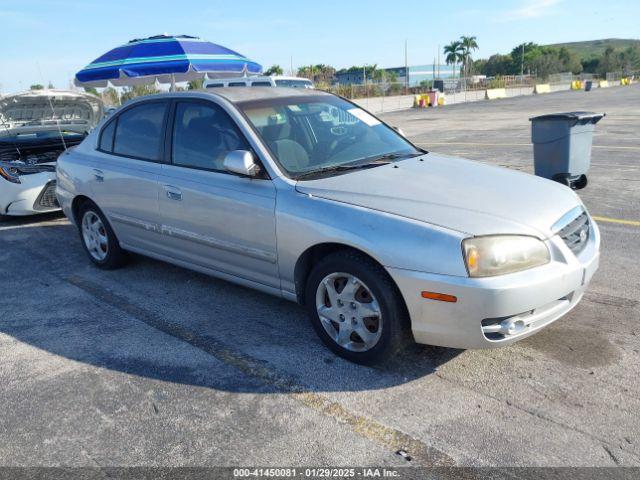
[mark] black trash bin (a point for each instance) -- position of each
(562, 146)
(587, 86)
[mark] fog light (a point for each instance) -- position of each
(512, 326)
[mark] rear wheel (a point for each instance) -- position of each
(355, 308)
(581, 182)
(98, 238)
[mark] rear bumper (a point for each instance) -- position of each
(485, 307)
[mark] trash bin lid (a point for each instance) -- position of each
(584, 117)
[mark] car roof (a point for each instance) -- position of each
(248, 94)
(256, 78)
(239, 94)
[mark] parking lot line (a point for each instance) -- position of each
(388, 437)
(634, 223)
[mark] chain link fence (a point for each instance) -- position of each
(387, 96)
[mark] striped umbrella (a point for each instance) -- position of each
(165, 59)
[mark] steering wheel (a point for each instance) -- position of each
(339, 130)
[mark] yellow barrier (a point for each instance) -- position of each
(603, 84)
(441, 100)
(421, 100)
(576, 85)
(494, 93)
(625, 81)
(542, 88)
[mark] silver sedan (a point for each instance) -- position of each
(304, 195)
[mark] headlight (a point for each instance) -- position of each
(9, 173)
(500, 254)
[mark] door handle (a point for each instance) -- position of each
(173, 193)
(98, 174)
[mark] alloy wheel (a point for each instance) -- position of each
(349, 312)
(94, 235)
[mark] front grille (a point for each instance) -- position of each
(47, 198)
(576, 233)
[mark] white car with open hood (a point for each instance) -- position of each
(35, 128)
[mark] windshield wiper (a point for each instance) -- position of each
(395, 156)
(340, 168)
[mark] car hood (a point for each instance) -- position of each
(42, 110)
(462, 195)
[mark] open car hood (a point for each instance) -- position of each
(43, 110)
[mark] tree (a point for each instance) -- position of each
(630, 59)
(36, 86)
(590, 65)
(453, 54)
(196, 84)
(320, 73)
(468, 45)
(50, 85)
(138, 91)
(274, 70)
(92, 91)
(498, 65)
(570, 61)
(523, 56)
(610, 61)
(110, 96)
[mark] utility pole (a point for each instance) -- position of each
(438, 62)
(406, 68)
(522, 64)
(291, 66)
(364, 78)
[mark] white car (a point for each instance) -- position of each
(35, 128)
(260, 81)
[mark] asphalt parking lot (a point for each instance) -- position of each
(157, 365)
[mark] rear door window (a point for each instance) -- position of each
(139, 131)
(106, 137)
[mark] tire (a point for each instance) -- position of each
(581, 182)
(100, 242)
(562, 178)
(347, 305)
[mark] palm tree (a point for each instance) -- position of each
(468, 44)
(274, 70)
(453, 54)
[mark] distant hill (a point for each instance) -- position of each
(593, 48)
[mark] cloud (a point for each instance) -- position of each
(530, 9)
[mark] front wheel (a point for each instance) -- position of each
(98, 238)
(355, 308)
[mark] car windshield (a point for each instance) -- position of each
(324, 135)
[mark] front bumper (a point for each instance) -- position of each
(35, 194)
(530, 299)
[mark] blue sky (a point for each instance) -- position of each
(49, 40)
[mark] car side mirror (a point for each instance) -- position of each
(399, 130)
(241, 162)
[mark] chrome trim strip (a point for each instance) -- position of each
(136, 222)
(567, 218)
(196, 237)
(216, 243)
